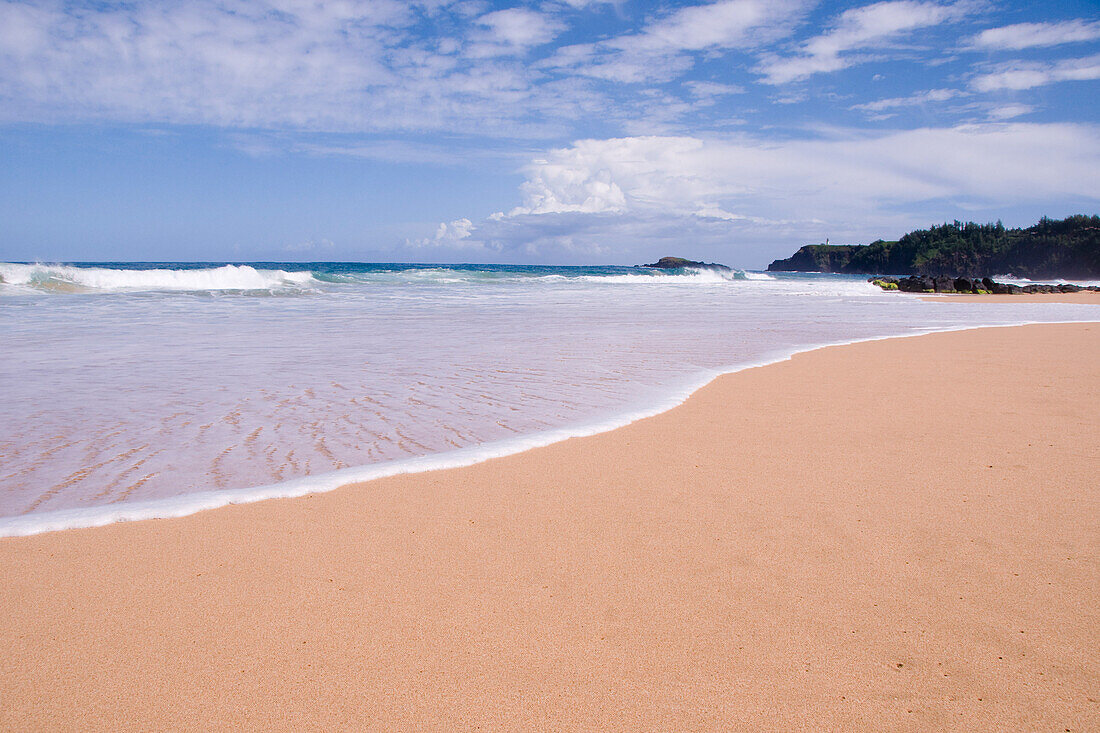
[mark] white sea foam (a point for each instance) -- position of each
(180, 506)
(93, 279)
(1022, 281)
(187, 504)
(684, 276)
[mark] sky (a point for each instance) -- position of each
(557, 132)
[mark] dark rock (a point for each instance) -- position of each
(1037, 288)
(816, 258)
(886, 283)
(977, 286)
(943, 284)
(915, 284)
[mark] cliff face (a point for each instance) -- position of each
(817, 258)
(1068, 248)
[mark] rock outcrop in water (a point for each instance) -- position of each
(676, 263)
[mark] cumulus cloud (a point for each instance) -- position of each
(1019, 75)
(778, 179)
(623, 193)
(1035, 35)
(454, 235)
(857, 29)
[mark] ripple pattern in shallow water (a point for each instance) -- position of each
(121, 396)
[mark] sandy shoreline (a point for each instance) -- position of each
(894, 534)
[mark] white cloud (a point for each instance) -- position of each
(710, 89)
(662, 49)
(1020, 75)
(725, 24)
(932, 95)
(601, 61)
(580, 4)
(617, 193)
(1035, 35)
(456, 230)
(513, 31)
(859, 28)
(1010, 111)
(279, 64)
(454, 235)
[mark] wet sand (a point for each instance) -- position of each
(899, 535)
(1082, 298)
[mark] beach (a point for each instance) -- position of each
(898, 534)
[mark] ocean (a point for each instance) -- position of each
(135, 390)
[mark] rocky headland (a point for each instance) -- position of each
(1052, 249)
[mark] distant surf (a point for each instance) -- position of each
(65, 278)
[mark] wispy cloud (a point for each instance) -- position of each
(1010, 111)
(858, 29)
(920, 98)
(710, 89)
(1019, 75)
(663, 49)
(286, 64)
(1035, 35)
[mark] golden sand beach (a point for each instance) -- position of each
(894, 535)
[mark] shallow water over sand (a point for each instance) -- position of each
(126, 383)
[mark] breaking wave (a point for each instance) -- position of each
(68, 278)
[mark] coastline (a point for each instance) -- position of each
(863, 536)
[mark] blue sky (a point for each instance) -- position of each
(564, 131)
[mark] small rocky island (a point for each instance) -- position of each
(678, 263)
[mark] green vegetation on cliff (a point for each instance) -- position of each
(1067, 248)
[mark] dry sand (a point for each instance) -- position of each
(899, 535)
